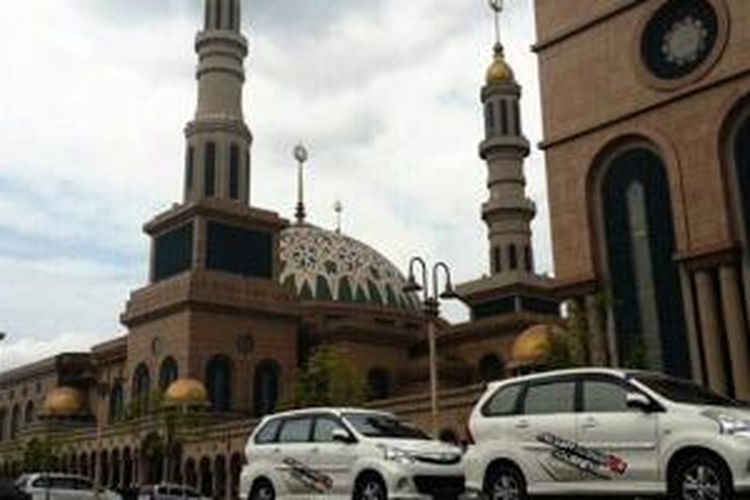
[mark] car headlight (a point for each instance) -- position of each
(398, 455)
(730, 425)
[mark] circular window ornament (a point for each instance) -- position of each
(681, 40)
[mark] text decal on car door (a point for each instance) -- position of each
(585, 459)
(310, 477)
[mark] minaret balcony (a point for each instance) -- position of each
(514, 146)
(494, 208)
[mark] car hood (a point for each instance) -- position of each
(741, 413)
(420, 446)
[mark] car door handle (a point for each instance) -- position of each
(315, 450)
(276, 450)
(522, 424)
(590, 423)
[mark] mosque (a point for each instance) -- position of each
(646, 109)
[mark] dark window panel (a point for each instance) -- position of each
(173, 252)
(241, 251)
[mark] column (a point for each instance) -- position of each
(734, 321)
(598, 340)
(228, 478)
(693, 338)
(707, 309)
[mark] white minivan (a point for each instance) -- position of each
(347, 454)
(607, 432)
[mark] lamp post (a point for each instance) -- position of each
(431, 304)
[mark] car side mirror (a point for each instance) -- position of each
(639, 401)
(341, 436)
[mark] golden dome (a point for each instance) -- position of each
(186, 391)
(499, 71)
(64, 402)
(532, 346)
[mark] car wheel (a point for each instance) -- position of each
(505, 482)
(701, 477)
(263, 490)
(370, 487)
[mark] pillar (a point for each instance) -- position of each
(598, 339)
(710, 331)
(734, 321)
(693, 338)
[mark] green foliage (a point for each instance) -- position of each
(328, 379)
(40, 455)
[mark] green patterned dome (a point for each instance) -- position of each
(325, 265)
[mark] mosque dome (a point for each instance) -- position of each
(63, 402)
(186, 391)
(323, 265)
(532, 346)
(499, 71)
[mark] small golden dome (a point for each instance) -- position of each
(186, 391)
(499, 71)
(532, 346)
(64, 402)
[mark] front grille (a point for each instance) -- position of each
(439, 459)
(440, 486)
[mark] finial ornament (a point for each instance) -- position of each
(497, 8)
(301, 155)
(338, 207)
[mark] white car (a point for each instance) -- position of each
(607, 432)
(347, 454)
(168, 492)
(56, 486)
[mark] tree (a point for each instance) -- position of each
(328, 379)
(40, 455)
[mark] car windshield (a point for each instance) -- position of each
(383, 426)
(682, 391)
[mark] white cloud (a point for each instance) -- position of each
(96, 93)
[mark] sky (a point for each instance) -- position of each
(95, 95)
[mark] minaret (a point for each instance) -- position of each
(508, 212)
(218, 140)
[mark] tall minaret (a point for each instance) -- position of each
(218, 140)
(508, 212)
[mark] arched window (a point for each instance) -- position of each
(497, 263)
(504, 117)
(378, 384)
(742, 164)
(232, 17)
(266, 387)
(528, 258)
(219, 382)
(640, 245)
(209, 180)
(491, 368)
(168, 373)
(116, 403)
(218, 17)
(15, 421)
(234, 172)
(189, 169)
(30, 413)
(513, 257)
(489, 112)
(141, 384)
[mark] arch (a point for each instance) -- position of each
(206, 477)
(636, 234)
(378, 384)
(220, 477)
(266, 387)
(83, 464)
(15, 421)
(116, 403)
(235, 470)
(734, 146)
(141, 387)
(104, 468)
(491, 367)
(191, 474)
(219, 382)
(116, 466)
(30, 413)
(127, 467)
(512, 257)
(168, 373)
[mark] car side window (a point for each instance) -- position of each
(601, 396)
(324, 427)
(296, 430)
(80, 483)
(503, 403)
(267, 434)
(550, 397)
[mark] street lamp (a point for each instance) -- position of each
(431, 303)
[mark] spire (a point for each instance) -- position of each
(301, 155)
(338, 207)
(218, 149)
(508, 212)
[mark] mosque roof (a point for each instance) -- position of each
(324, 265)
